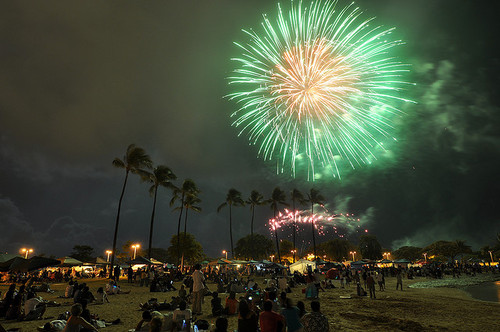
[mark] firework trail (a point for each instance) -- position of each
(325, 222)
(317, 87)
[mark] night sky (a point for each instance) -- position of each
(81, 80)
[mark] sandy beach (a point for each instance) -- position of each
(414, 309)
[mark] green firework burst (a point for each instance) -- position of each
(318, 87)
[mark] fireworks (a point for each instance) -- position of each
(317, 87)
(324, 221)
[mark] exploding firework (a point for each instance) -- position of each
(318, 87)
(325, 222)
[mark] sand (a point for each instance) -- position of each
(413, 309)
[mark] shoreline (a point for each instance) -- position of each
(459, 282)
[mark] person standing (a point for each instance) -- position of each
(370, 283)
(198, 286)
(399, 280)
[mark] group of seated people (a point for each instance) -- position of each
(23, 304)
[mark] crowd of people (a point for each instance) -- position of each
(265, 305)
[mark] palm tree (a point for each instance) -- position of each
(254, 200)
(278, 197)
(188, 188)
(135, 159)
(189, 204)
(161, 176)
(314, 197)
(233, 197)
(296, 196)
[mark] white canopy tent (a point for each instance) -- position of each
(301, 266)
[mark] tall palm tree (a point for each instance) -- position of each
(189, 204)
(314, 197)
(296, 197)
(233, 197)
(188, 188)
(278, 197)
(135, 159)
(160, 176)
(255, 199)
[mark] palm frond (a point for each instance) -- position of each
(118, 163)
(221, 207)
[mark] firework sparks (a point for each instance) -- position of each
(318, 85)
(325, 222)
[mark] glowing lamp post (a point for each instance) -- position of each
(294, 251)
(491, 255)
(386, 255)
(135, 247)
(26, 252)
(352, 253)
(272, 258)
(224, 252)
(108, 252)
(425, 256)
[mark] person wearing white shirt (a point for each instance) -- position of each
(198, 286)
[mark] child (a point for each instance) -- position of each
(102, 296)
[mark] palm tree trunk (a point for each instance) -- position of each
(152, 222)
(231, 230)
(179, 231)
(251, 225)
(276, 236)
(294, 226)
(184, 237)
(116, 225)
(312, 228)
(251, 232)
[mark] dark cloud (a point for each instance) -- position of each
(82, 80)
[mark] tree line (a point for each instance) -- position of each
(185, 198)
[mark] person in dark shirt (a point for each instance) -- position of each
(247, 319)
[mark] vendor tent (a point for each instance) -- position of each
(32, 264)
(140, 260)
(302, 266)
(70, 261)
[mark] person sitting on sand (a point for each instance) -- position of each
(75, 322)
(292, 316)
(221, 324)
(269, 320)
(69, 290)
(231, 304)
(216, 305)
(182, 316)
(155, 325)
(315, 321)
(248, 321)
(34, 307)
(143, 324)
(102, 297)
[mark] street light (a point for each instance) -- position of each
(352, 253)
(108, 252)
(386, 255)
(425, 256)
(224, 252)
(272, 258)
(294, 251)
(135, 247)
(491, 255)
(26, 252)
